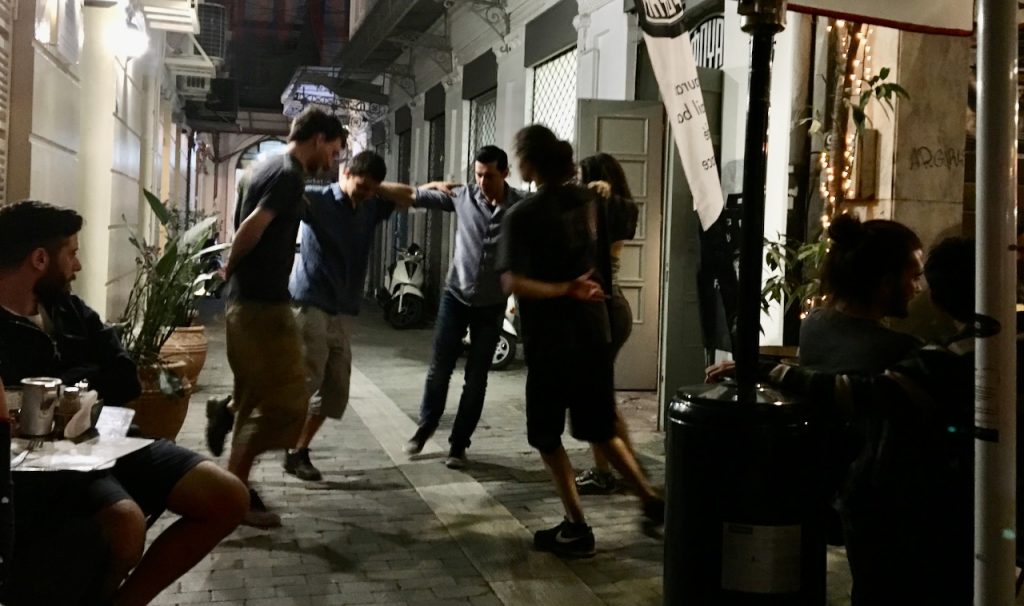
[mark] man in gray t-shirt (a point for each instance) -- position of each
(263, 344)
(473, 298)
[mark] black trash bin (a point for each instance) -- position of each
(745, 501)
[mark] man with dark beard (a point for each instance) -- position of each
(47, 331)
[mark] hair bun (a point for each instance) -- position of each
(845, 231)
(564, 150)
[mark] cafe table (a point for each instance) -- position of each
(98, 453)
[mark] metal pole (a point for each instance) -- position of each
(188, 175)
(763, 19)
(995, 363)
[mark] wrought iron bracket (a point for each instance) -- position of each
(404, 75)
(496, 14)
(434, 47)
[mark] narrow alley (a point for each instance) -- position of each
(384, 529)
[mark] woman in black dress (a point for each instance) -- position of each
(621, 215)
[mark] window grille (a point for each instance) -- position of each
(554, 95)
(435, 152)
(432, 261)
(401, 220)
(483, 121)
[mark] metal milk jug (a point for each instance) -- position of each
(39, 399)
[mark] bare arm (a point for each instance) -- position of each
(445, 187)
(433, 195)
(247, 236)
(582, 288)
(402, 195)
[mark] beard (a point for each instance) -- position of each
(52, 286)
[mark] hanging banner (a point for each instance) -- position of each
(668, 44)
(949, 17)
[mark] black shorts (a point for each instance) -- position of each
(580, 381)
(146, 476)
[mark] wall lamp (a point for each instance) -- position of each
(131, 39)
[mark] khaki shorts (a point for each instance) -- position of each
(327, 339)
(265, 354)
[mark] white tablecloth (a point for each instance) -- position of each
(65, 455)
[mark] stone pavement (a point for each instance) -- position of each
(384, 529)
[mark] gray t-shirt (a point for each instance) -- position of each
(277, 184)
(834, 342)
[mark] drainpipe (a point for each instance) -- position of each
(152, 87)
(188, 175)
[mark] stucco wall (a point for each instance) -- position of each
(88, 135)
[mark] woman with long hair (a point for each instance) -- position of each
(621, 215)
(554, 253)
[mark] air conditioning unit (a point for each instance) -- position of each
(189, 65)
(213, 19)
(193, 87)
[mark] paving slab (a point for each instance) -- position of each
(385, 528)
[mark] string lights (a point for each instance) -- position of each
(837, 181)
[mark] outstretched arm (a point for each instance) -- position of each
(435, 195)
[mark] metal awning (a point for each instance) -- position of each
(354, 102)
(379, 40)
(249, 121)
(391, 29)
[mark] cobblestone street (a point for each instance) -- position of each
(384, 529)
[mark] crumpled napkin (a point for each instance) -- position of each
(82, 421)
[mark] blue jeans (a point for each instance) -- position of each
(484, 325)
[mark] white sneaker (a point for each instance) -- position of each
(456, 460)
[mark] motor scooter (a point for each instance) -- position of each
(505, 350)
(401, 297)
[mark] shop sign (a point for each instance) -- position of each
(668, 44)
(708, 42)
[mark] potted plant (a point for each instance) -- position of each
(187, 342)
(162, 295)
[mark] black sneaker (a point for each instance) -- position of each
(456, 459)
(595, 481)
(566, 540)
(418, 440)
(219, 420)
(297, 463)
(654, 511)
(258, 515)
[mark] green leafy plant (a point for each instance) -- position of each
(163, 294)
(796, 272)
(795, 265)
(878, 90)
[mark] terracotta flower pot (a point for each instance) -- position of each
(187, 344)
(156, 414)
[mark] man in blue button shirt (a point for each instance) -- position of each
(327, 285)
(473, 298)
